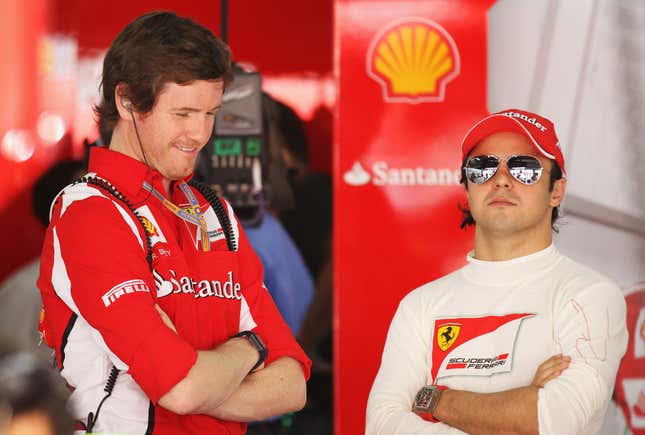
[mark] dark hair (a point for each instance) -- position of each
(155, 49)
(292, 130)
(281, 192)
(50, 183)
(554, 175)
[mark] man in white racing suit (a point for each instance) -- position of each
(520, 340)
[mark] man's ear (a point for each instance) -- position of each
(123, 104)
(557, 194)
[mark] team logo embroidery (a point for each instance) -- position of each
(413, 59)
(150, 229)
(151, 226)
(446, 336)
(474, 346)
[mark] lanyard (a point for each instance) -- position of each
(197, 219)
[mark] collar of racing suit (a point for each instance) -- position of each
(126, 174)
(503, 273)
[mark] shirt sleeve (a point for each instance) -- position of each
(589, 327)
(101, 273)
(403, 371)
(271, 327)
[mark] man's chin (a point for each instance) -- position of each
(500, 225)
(179, 175)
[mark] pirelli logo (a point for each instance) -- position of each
(131, 286)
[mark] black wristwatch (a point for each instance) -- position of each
(257, 343)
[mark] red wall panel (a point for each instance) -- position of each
(396, 168)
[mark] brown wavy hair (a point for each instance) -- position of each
(155, 49)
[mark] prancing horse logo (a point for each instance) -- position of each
(446, 335)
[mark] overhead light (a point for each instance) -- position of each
(17, 145)
(50, 127)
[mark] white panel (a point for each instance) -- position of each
(565, 65)
(618, 254)
(514, 41)
(608, 141)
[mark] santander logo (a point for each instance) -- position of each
(357, 176)
(382, 174)
(226, 289)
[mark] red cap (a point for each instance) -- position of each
(540, 131)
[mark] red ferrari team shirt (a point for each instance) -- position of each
(99, 295)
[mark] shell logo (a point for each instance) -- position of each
(413, 59)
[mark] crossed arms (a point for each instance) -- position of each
(219, 384)
(565, 396)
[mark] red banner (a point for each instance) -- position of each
(412, 79)
(630, 381)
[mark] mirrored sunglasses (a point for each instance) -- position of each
(525, 169)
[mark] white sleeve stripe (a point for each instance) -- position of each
(246, 318)
(118, 363)
(60, 280)
(77, 192)
(63, 288)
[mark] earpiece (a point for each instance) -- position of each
(127, 104)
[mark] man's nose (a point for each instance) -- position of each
(201, 128)
(502, 177)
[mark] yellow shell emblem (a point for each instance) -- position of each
(446, 336)
(150, 229)
(413, 60)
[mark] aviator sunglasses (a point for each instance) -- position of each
(525, 169)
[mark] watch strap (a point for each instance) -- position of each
(257, 343)
(428, 417)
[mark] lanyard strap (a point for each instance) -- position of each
(197, 219)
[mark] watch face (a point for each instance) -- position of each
(423, 398)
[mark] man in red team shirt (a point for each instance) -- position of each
(153, 297)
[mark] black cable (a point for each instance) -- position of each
(136, 131)
(109, 387)
(143, 153)
(219, 210)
